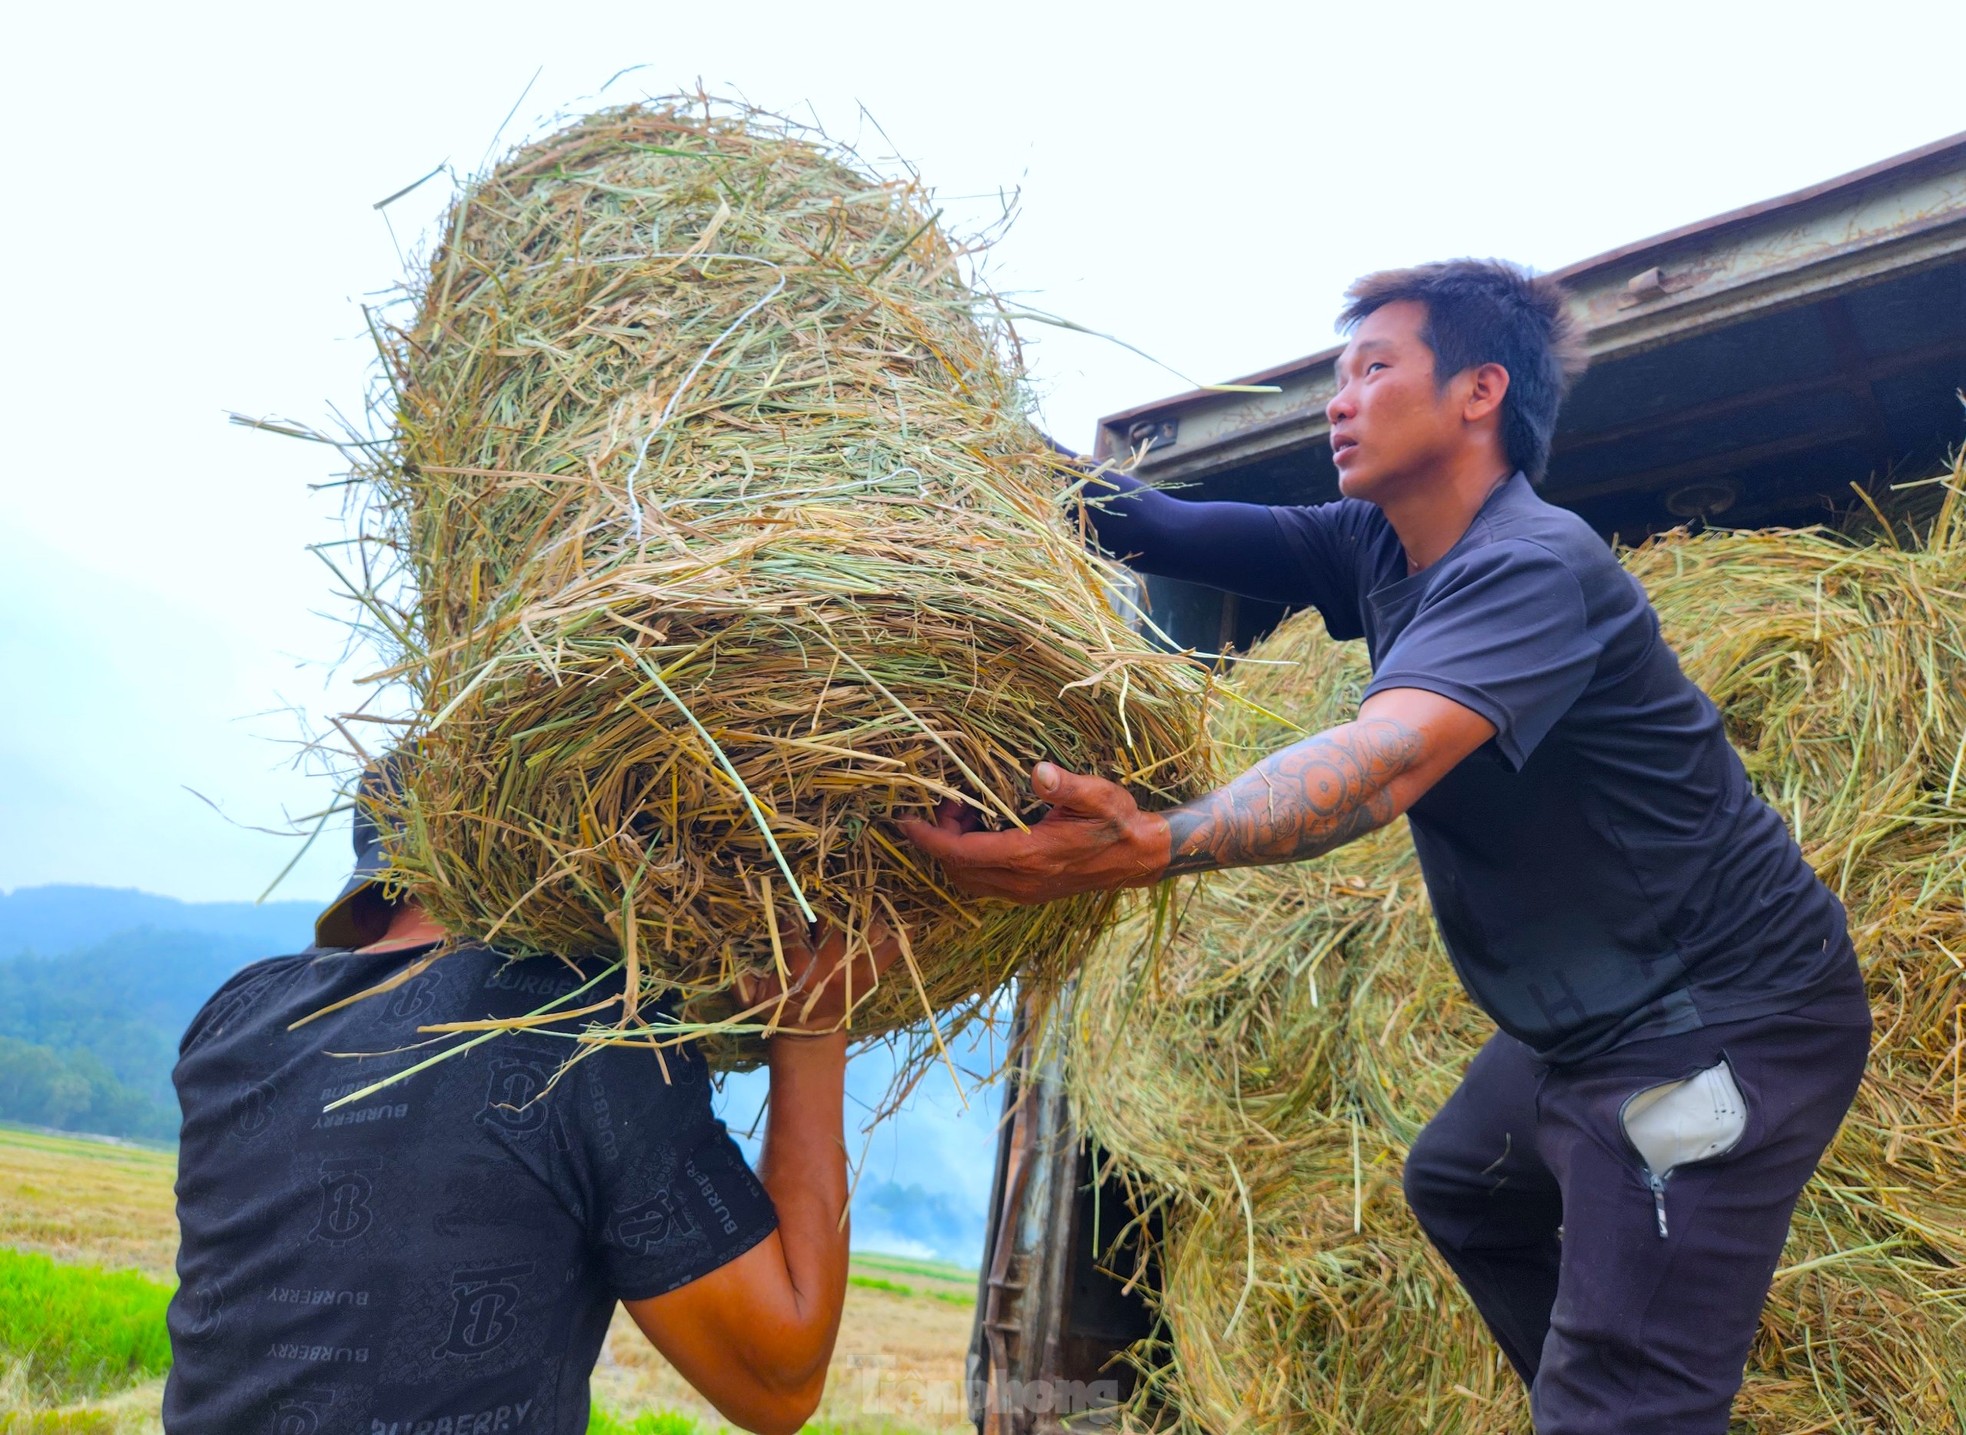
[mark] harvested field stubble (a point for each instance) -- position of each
(727, 541)
(1262, 1064)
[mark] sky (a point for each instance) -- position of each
(191, 231)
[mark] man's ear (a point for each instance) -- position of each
(1488, 383)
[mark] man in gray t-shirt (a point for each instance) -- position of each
(1682, 1022)
(395, 1230)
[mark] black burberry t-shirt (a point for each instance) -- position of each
(441, 1257)
(1602, 870)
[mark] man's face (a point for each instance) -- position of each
(1390, 424)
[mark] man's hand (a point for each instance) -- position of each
(1301, 802)
(1094, 838)
(823, 982)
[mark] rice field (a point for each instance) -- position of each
(88, 1236)
(75, 1199)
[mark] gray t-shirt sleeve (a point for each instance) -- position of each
(667, 1197)
(631, 1150)
(1503, 631)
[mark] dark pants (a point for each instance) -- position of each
(1527, 1184)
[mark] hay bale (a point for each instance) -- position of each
(1267, 1091)
(728, 541)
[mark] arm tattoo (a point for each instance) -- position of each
(1301, 802)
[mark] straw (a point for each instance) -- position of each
(713, 538)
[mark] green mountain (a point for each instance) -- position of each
(54, 919)
(96, 988)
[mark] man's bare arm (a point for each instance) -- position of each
(1303, 801)
(755, 1335)
(1299, 803)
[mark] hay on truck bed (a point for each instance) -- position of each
(729, 541)
(1263, 1071)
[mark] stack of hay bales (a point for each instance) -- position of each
(722, 540)
(1261, 1063)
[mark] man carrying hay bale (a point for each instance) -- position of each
(681, 399)
(443, 1253)
(1683, 1023)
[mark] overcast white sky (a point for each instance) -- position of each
(189, 230)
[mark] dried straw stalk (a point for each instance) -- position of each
(1263, 1068)
(729, 541)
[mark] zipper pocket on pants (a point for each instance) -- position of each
(1677, 1123)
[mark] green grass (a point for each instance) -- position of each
(941, 1274)
(877, 1283)
(658, 1422)
(910, 1266)
(880, 1283)
(78, 1331)
(52, 1422)
(139, 1149)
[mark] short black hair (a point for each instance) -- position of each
(1489, 311)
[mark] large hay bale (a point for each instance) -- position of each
(728, 541)
(1263, 1066)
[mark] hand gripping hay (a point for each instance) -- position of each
(1262, 1072)
(731, 543)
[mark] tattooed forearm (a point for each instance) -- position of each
(1301, 802)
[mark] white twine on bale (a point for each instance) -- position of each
(669, 409)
